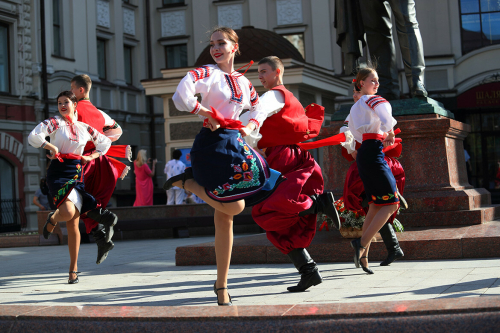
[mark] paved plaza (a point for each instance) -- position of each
(143, 273)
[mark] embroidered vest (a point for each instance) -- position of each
(291, 125)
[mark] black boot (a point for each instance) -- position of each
(103, 247)
(323, 203)
(391, 243)
(309, 273)
(106, 218)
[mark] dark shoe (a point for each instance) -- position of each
(356, 245)
(106, 218)
(75, 280)
(366, 269)
(216, 290)
(309, 273)
(187, 174)
(391, 243)
(103, 247)
(418, 90)
(47, 233)
(324, 203)
(392, 257)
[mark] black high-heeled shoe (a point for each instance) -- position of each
(356, 245)
(75, 280)
(216, 290)
(187, 174)
(366, 269)
(46, 233)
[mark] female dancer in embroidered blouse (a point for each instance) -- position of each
(371, 117)
(68, 138)
(217, 150)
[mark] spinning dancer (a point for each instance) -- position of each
(289, 216)
(226, 172)
(65, 177)
(101, 173)
(354, 193)
(371, 116)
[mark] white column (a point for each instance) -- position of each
(258, 13)
(201, 24)
(321, 33)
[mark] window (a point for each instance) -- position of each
(4, 58)
(101, 58)
(298, 41)
(127, 54)
(480, 21)
(172, 2)
(176, 56)
(56, 27)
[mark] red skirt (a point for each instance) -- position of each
(278, 214)
(100, 175)
(354, 190)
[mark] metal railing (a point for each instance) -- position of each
(12, 217)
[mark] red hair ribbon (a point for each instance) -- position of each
(247, 66)
(354, 80)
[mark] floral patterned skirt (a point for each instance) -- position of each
(228, 168)
(63, 177)
(378, 180)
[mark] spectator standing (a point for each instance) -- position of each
(174, 167)
(143, 179)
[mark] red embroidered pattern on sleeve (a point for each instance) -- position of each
(114, 126)
(196, 108)
(200, 73)
(374, 101)
(52, 124)
(92, 133)
(255, 122)
(254, 97)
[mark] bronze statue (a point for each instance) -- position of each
(376, 18)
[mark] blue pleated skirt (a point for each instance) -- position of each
(62, 177)
(228, 168)
(377, 178)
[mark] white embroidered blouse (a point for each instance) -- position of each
(229, 94)
(68, 138)
(370, 114)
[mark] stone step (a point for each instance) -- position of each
(436, 201)
(449, 218)
(473, 314)
(445, 242)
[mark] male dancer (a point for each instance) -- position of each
(289, 215)
(101, 174)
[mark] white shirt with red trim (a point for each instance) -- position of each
(68, 138)
(370, 114)
(272, 102)
(229, 94)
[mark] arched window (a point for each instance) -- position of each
(480, 23)
(9, 205)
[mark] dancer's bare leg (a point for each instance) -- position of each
(229, 208)
(73, 244)
(375, 219)
(65, 212)
(223, 249)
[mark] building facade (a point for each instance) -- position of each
(121, 43)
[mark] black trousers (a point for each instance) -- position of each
(377, 19)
